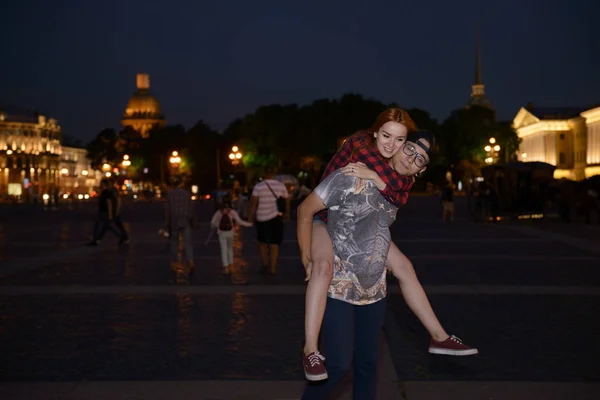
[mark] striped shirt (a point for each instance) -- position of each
(267, 203)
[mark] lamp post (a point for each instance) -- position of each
(492, 150)
(174, 160)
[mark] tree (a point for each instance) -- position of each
(102, 149)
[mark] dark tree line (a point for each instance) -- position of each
(298, 138)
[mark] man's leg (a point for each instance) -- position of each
(262, 245)
(174, 239)
(276, 238)
(316, 291)
(368, 323)
(188, 247)
(338, 339)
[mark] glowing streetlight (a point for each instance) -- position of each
(488, 148)
(64, 171)
(492, 140)
(106, 167)
(235, 156)
(84, 172)
(174, 159)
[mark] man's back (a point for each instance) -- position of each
(267, 201)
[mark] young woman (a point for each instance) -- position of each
(384, 139)
(224, 221)
(358, 225)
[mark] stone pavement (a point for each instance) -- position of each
(107, 323)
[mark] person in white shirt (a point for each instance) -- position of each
(269, 218)
(224, 221)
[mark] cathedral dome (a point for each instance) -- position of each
(143, 110)
(142, 103)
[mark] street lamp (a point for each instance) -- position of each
(175, 159)
(235, 156)
(126, 162)
(492, 151)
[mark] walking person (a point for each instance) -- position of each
(179, 218)
(117, 203)
(106, 214)
(269, 218)
(224, 221)
(447, 198)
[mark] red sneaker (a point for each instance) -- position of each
(314, 369)
(452, 346)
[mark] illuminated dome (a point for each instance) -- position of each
(143, 110)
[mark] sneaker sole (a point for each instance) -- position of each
(314, 378)
(448, 352)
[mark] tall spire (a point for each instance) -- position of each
(478, 80)
(478, 88)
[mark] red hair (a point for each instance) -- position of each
(393, 115)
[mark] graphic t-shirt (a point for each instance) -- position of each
(359, 220)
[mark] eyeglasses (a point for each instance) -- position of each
(410, 150)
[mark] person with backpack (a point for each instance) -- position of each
(224, 220)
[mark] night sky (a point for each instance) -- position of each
(76, 60)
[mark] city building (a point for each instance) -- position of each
(568, 138)
(143, 110)
(29, 153)
(76, 173)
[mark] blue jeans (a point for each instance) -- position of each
(350, 333)
(186, 232)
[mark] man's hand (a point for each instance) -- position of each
(307, 262)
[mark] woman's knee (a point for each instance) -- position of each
(322, 268)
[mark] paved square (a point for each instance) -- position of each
(81, 322)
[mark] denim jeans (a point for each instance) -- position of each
(350, 333)
(186, 232)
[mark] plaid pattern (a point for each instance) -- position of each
(180, 208)
(360, 148)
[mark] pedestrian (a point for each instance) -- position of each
(106, 214)
(267, 210)
(224, 221)
(179, 220)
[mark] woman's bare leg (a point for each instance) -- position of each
(321, 251)
(413, 293)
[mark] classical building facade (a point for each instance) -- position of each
(568, 138)
(143, 110)
(76, 173)
(29, 152)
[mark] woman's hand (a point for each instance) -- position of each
(359, 170)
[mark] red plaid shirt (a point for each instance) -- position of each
(359, 148)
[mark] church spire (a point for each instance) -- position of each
(478, 60)
(478, 88)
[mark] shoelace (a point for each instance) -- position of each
(315, 359)
(455, 339)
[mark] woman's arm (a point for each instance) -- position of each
(239, 220)
(215, 219)
(360, 170)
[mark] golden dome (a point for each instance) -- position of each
(142, 104)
